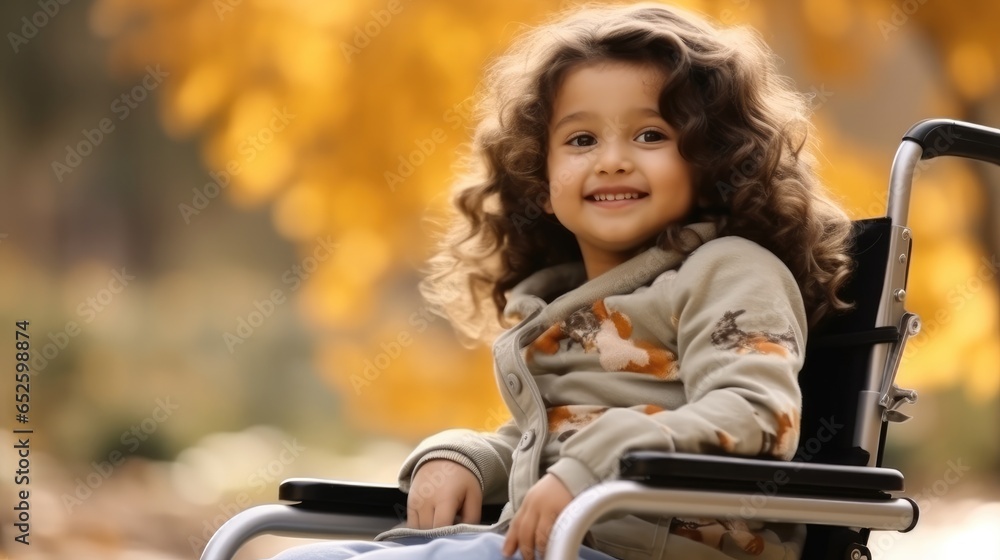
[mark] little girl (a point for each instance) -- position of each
(642, 198)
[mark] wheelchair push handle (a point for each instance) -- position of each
(930, 139)
(943, 137)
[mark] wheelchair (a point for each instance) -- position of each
(835, 484)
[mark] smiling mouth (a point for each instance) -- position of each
(615, 199)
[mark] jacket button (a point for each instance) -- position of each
(513, 383)
(527, 439)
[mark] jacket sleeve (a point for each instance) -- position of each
(740, 340)
(487, 454)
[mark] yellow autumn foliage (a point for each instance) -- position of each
(344, 119)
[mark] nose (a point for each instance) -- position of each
(612, 158)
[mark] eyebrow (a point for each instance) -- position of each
(583, 115)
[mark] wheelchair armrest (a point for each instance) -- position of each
(727, 473)
(332, 496)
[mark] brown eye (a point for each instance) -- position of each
(582, 140)
(651, 136)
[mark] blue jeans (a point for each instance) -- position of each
(478, 546)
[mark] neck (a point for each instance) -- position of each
(597, 263)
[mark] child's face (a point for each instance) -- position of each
(607, 137)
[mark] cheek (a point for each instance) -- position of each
(684, 188)
(555, 180)
(676, 171)
(564, 172)
(690, 193)
(545, 201)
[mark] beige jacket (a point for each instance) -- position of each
(696, 357)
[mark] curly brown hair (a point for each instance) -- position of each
(742, 126)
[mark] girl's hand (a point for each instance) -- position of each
(533, 522)
(439, 491)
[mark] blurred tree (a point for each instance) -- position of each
(344, 118)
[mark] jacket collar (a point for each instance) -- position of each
(527, 297)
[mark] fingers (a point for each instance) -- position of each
(510, 543)
(412, 518)
(444, 514)
(420, 513)
(521, 535)
(526, 538)
(472, 508)
(440, 491)
(424, 514)
(432, 516)
(543, 529)
(531, 528)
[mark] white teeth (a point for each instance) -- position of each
(620, 196)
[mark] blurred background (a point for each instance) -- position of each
(213, 213)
